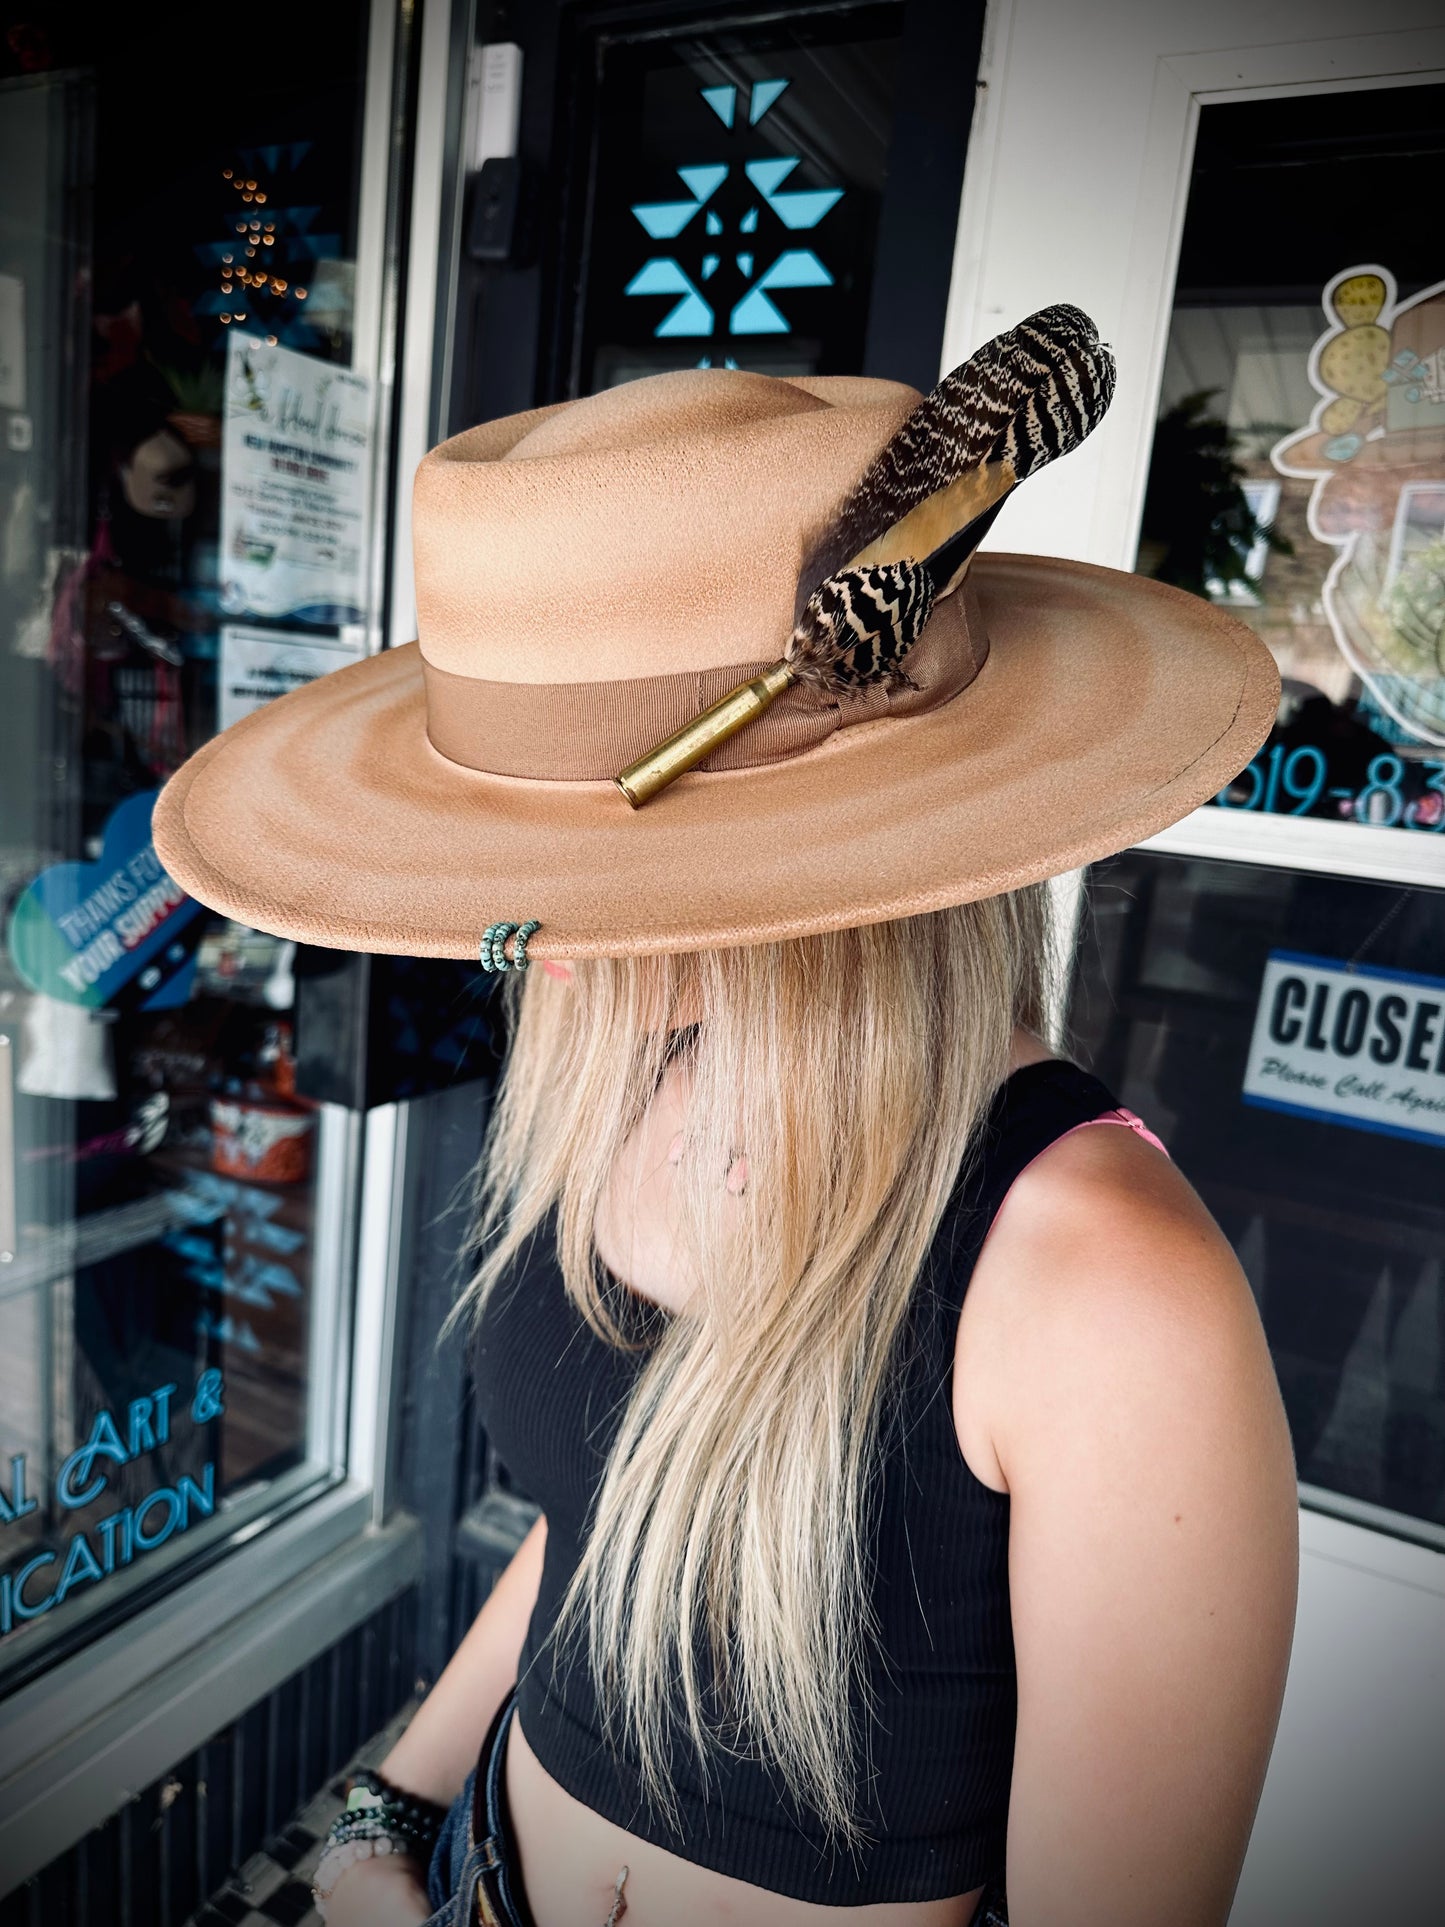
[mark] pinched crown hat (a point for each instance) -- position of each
(890, 723)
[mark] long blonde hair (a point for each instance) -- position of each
(853, 1068)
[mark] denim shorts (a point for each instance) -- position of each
(475, 1877)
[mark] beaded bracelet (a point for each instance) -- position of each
(336, 1861)
(379, 1819)
(410, 1805)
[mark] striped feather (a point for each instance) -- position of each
(1025, 398)
(860, 624)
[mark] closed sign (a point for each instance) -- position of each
(1355, 1044)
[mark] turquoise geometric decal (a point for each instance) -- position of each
(765, 92)
(704, 181)
(691, 316)
(755, 314)
(724, 102)
(768, 176)
(797, 209)
(665, 220)
(793, 210)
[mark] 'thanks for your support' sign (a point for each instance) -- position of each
(1351, 1043)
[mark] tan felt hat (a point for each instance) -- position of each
(589, 576)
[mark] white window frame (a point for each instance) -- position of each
(95, 1728)
(1032, 232)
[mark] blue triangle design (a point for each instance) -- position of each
(756, 315)
(658, 276)
(723, 101)
(665, 220)
(714, 222)
(805, 209)
(765, 92)
(703, 182)
(691, 316)
(798, 268)
(768, 176)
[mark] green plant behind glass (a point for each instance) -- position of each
(1198, 527)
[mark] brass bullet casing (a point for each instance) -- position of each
(687, 747)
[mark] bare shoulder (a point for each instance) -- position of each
(1112, 1376)
(1104, 1286)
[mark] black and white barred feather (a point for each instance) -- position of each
(907, 529)
(858, 625)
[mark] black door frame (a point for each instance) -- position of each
(512, 335)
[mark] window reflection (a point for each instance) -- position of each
(165, 242)
(1285, 1034)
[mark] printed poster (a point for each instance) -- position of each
(1352, 1044)
(259, 664)
(115, 931)
(295, 469)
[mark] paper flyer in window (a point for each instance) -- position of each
(295, 467)
(260, 664)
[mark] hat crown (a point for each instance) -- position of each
(677, 406)
(653, 528)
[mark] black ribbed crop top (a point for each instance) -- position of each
(941, 1738)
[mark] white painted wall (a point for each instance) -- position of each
(1351, 1827)
(1078, 169)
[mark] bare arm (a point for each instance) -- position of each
(439, 1748)
(1136, 1423)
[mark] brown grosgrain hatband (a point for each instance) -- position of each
(586, 731)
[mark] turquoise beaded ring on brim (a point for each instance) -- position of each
(493, 949)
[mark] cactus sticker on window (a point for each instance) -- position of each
(1375, 450)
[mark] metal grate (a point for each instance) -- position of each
(155, 1862)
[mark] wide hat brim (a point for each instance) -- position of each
(1109, 707)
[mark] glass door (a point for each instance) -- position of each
(1294, 1025)
(1244, 215)
(190, 279)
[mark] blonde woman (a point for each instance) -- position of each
(918, 1529)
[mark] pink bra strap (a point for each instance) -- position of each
(1120, 1116)
(1134, 1122)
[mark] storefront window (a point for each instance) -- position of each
(1298, 471)
(733, 196)
(187, 462)
(1285, 1034)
